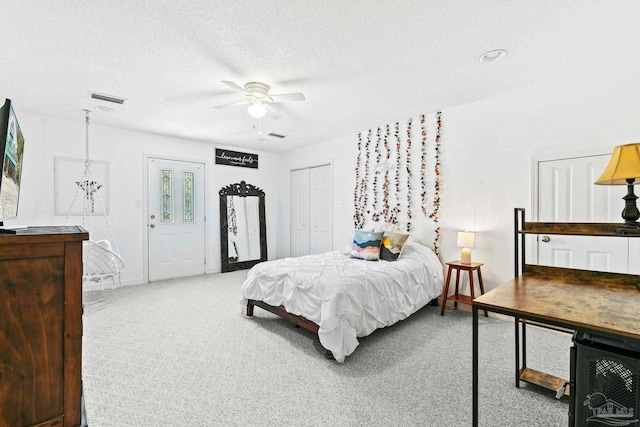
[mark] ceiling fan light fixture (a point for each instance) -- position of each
(257, 110)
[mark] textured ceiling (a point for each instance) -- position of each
(359, 63)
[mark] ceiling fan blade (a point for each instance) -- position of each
(275, 115)
(234, 86)
(287, 97)
(232, 104)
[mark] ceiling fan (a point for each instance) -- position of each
(259, 100)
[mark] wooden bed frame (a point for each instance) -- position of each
(280, 311)
(293, 318)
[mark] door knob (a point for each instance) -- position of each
(546, 239)
(152, 225)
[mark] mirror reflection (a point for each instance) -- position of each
(242, 227)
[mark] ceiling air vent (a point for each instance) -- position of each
(107, 98)
(276, 135)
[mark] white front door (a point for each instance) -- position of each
(176, 218)
(566, 193)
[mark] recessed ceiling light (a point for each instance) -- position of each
(103, 108)
(493, 55)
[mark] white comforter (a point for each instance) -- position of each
(347, 297)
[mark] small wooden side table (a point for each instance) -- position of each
(457, 297)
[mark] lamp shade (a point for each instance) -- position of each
(466, 239)
(624, 164)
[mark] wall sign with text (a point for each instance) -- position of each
(236, 158)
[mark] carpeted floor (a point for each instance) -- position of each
(178, 353)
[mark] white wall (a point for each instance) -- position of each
(487, 150)
(487, 147)
(47, 137)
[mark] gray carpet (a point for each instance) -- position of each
(178, 353)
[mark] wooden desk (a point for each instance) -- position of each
(585, 301)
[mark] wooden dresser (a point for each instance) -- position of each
(41, 327)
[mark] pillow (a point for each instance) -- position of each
(392, 244)
(394, 228)
(366, 245)
(380, 226)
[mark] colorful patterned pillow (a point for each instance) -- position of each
(366, 245)
(392, 244)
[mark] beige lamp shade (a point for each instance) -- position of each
(466, 241)
(624, 164)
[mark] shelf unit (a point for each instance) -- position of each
(521, 229)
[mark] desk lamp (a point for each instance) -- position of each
(624, 169)
(466, 241)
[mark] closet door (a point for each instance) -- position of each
(566, 193)
(311, 210)
(300, 212)
(320, 209)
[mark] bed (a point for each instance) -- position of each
(343, 298)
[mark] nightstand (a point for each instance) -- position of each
(456, 297)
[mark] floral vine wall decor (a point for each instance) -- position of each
(358, 217)
(377, 159)
(365, 181)
(435, 214)
(395, 212)
(423, 167)
(375, 216)
(409, 175)
(385, 182)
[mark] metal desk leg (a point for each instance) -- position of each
(516, 321)
(524, 345)
(475, 366)
(479, 270)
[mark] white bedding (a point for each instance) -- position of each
(347, 297)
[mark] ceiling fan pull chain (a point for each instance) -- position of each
(86, 136)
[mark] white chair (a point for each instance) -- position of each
(101, 262)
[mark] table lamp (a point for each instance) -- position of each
(624, 169)
(466, 241)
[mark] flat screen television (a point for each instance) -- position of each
(11, 154)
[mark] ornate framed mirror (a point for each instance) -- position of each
(243, 232)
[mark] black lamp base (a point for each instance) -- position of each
(629, 229)
(630, 213)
